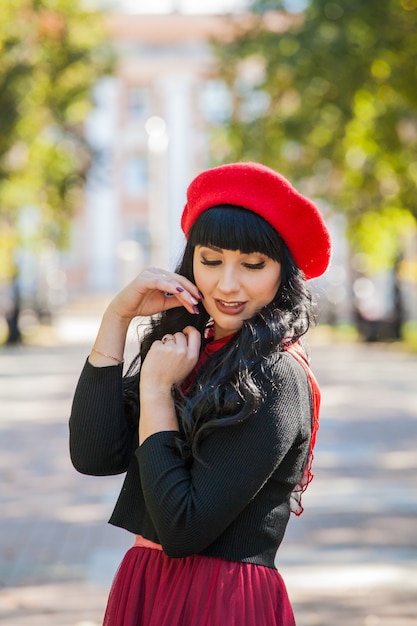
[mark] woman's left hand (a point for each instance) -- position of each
(170, 360)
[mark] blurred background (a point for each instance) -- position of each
(110, 108)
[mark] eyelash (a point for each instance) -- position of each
(205, 262)
(249, 266)
(254, 266)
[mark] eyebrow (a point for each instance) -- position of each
(215, 248)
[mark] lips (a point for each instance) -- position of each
(230, 308)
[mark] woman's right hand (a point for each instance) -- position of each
(147, 294)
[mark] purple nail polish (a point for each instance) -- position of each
(201, 295)
(180, 289)
(195, 309)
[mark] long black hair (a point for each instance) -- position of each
(229, 385)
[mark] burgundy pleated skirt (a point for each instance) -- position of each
(153, 589)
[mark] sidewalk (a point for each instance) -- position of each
(56, 550)
(349, 560)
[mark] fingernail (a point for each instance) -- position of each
(201, 295)
(196, 309)
(180, 289)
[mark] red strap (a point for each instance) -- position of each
(298, 353)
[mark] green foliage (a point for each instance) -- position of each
(328, 97)
(52, 53)
(378, 235)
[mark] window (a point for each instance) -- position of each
(136, 175)
(138, 102)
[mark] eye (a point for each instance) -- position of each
(255, 266)
(211, 262)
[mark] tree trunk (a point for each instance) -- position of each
(12, 316)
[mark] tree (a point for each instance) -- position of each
(328, 97)
(52, 51)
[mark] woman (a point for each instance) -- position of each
(228, 407)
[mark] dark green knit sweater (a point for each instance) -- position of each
(233, 501)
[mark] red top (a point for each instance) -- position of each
(210, 348)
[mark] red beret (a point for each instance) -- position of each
(262, 190)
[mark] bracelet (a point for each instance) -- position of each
(108, 356)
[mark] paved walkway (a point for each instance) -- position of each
(350, 560)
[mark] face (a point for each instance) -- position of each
(234, 285)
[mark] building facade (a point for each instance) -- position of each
(149, 131)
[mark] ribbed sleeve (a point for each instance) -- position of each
(101, 442)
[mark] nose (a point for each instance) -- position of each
(228, 281)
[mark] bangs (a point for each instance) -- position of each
(235, 228)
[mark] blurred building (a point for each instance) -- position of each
(149, 131)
